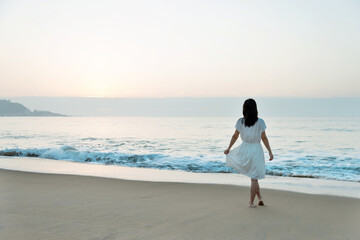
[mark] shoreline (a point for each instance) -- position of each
(292, 184)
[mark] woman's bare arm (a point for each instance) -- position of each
(267, 145)
(232, 141)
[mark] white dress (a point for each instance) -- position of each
(248, 157)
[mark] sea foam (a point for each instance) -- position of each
(306, 166)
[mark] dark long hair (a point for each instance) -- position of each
(250, 112)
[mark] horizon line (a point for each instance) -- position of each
(283, 97)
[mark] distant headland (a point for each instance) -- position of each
(11, 109)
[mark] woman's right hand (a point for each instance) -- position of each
(271, 156)
(226, 151)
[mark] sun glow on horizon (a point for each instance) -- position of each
(164, 49)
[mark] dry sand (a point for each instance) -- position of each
(50, 206)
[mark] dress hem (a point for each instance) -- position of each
(257, 178)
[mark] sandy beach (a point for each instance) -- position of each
(54, 206)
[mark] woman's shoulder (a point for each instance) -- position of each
(238, 124)
(240, 120)
(261, 120)
(262, 124)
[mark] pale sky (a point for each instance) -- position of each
(179, 48)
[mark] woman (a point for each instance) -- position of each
(248, 157)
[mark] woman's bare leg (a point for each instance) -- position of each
(258, 191)
(261, 202)
(254, 189)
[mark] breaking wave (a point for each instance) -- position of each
(292, 165)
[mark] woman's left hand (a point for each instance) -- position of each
(271, 156)
(227, 151)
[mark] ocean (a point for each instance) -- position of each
(324, 148)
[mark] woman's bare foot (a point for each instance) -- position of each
(251, 205)
(261, 202)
